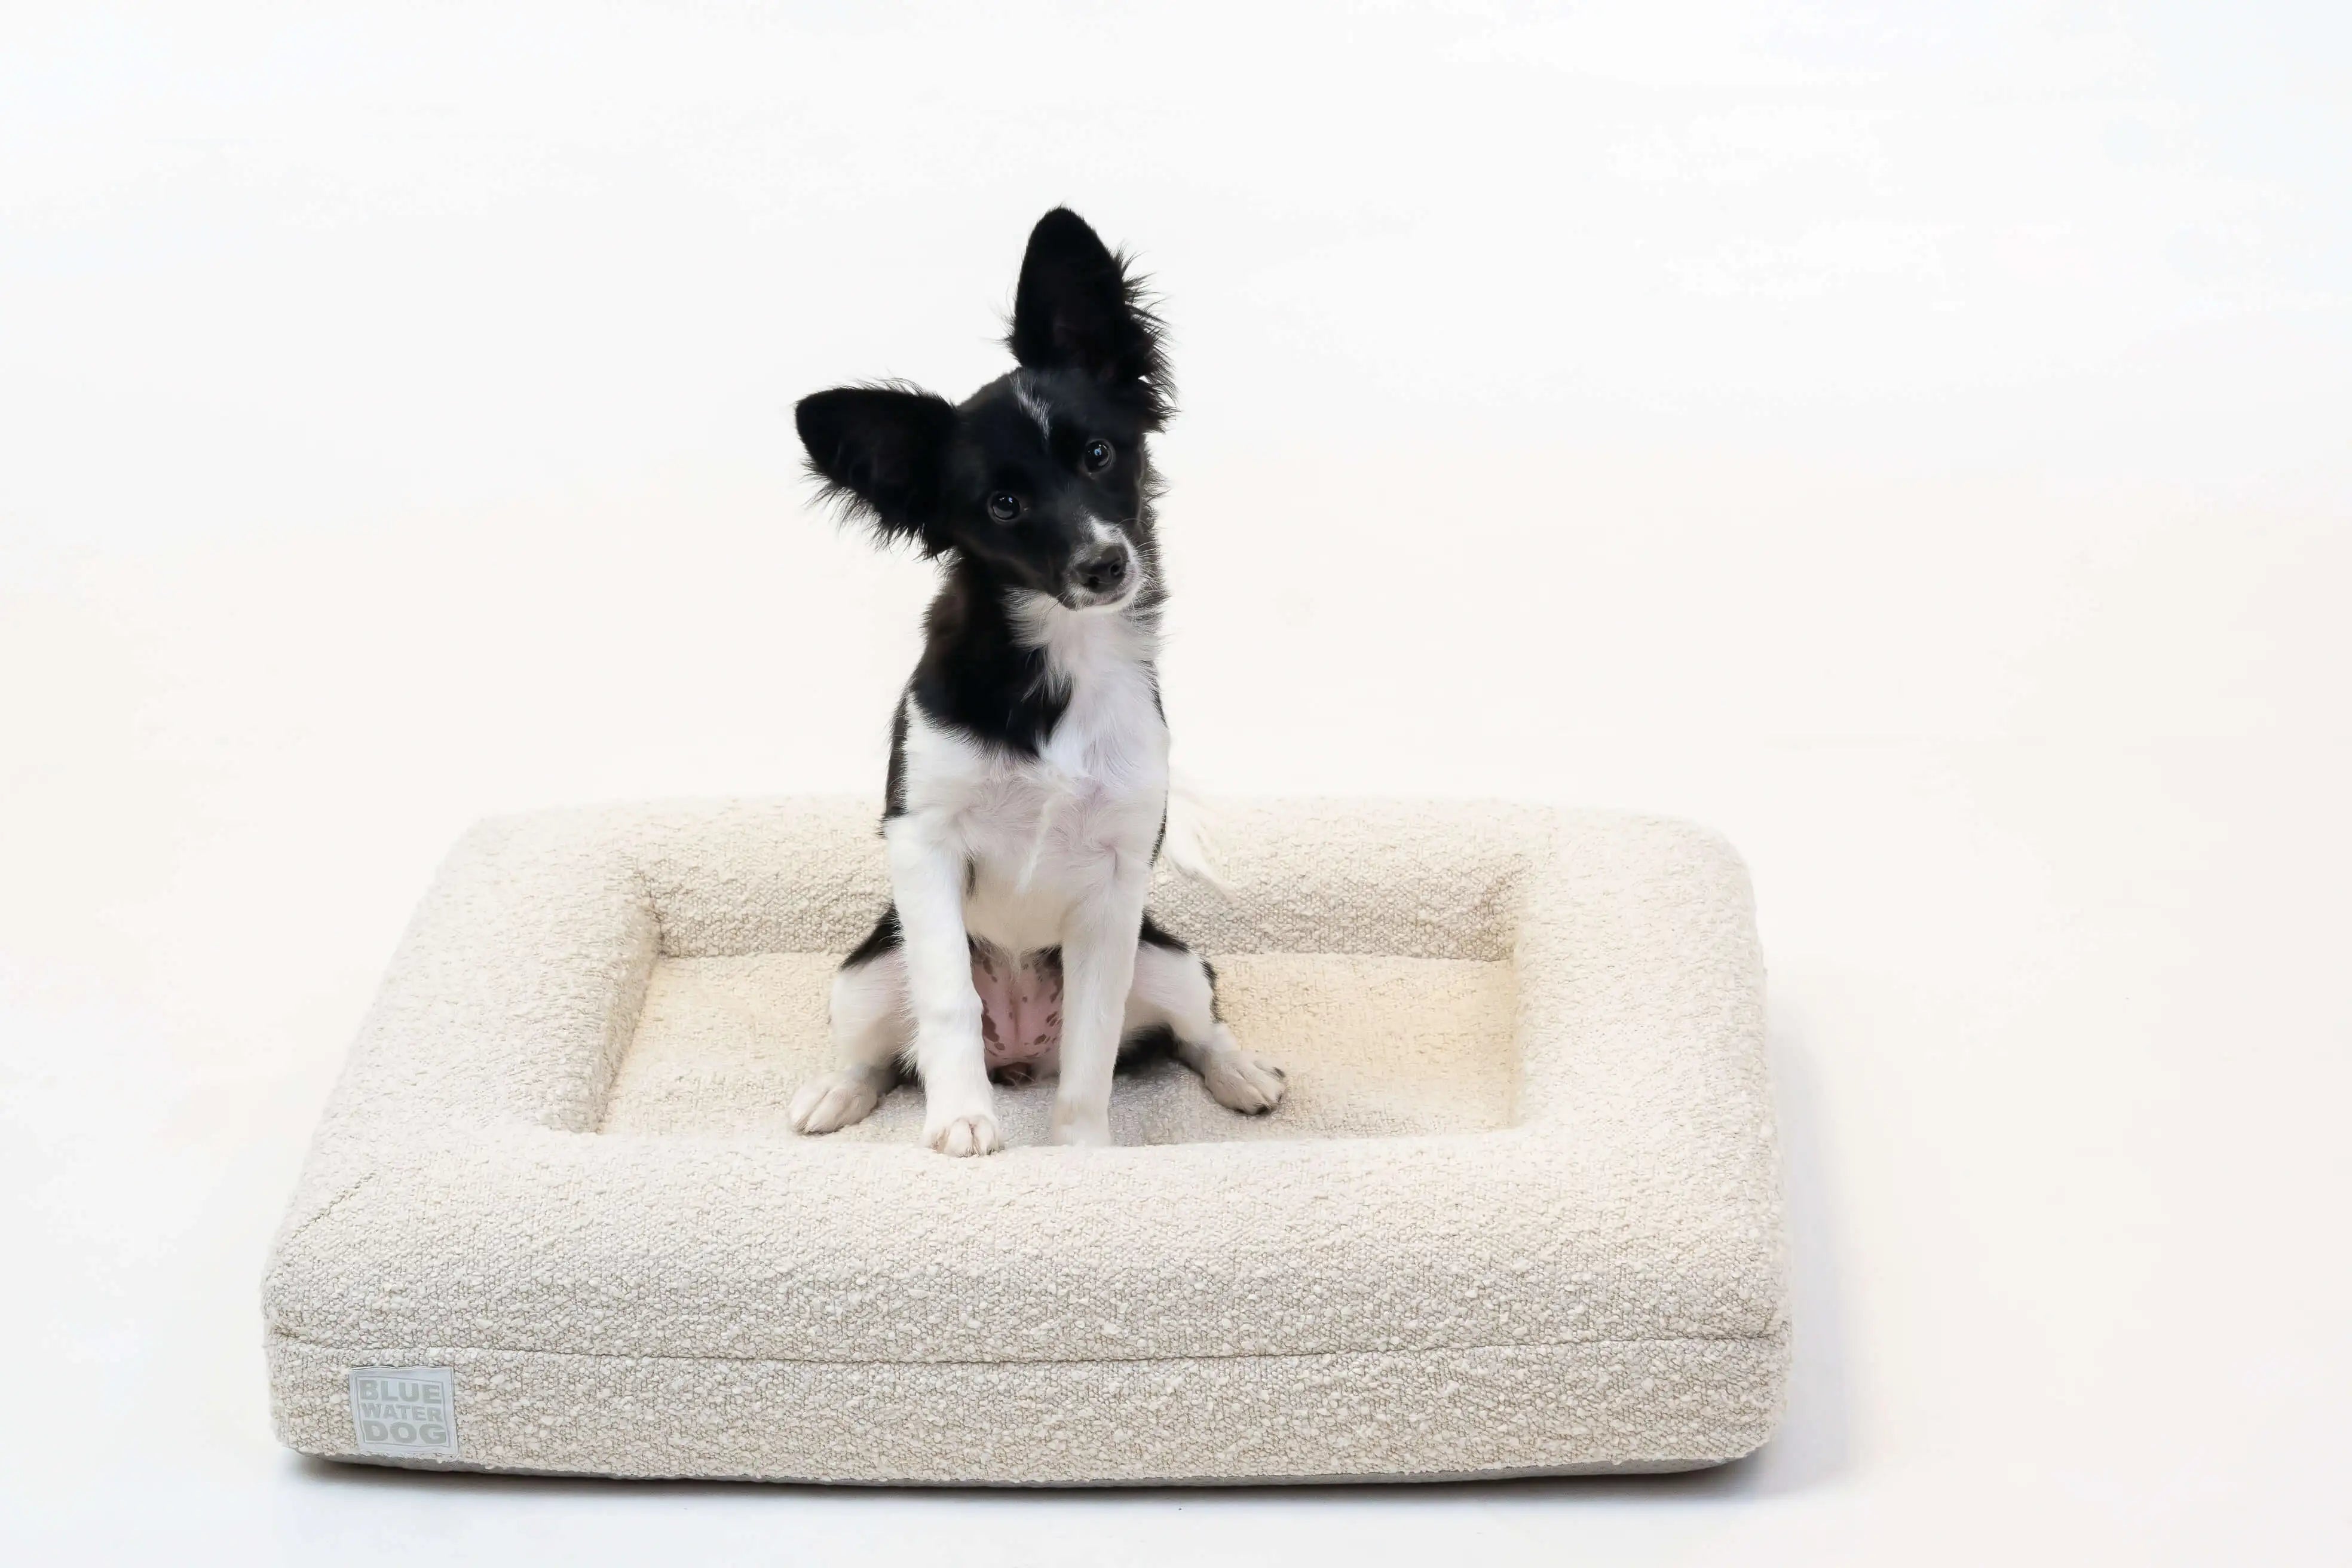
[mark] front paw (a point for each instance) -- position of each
(1244, 1081)
(834, 1101)
(1075, 1130)
(972, 1134)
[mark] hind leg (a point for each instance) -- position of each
(1175, 990)
(872, 1025)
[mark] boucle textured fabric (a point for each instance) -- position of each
(1520, 1212)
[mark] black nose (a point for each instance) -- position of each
(1105, 571)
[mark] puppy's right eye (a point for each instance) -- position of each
(1004, 506)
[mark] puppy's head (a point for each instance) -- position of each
(1042, 474)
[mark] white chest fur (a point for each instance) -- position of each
(1043, 834)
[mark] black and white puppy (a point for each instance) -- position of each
(1027, 795)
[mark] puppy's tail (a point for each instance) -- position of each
(1190, 842)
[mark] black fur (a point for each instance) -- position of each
(884, 937)
(1153, 1043)
(973, 674)
(1154, 934)
(894, 782)
(916, 467)
(1079, 307)
(886, 446)
(1138, 1049)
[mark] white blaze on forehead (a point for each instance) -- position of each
(1032, 404)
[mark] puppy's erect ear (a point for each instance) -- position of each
(881, 450)
(1078, 309)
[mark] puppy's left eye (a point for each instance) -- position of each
(1099, 454)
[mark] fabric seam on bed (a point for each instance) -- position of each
(1070, 1361)
(332, 1206)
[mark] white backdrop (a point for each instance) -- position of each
(1915, 445)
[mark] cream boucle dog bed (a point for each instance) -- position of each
(1518, 1212)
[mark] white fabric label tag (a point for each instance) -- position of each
(406, 1412)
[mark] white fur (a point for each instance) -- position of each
(1059, 847)
(1189, 845)
(1030, 853)
(1032, 404)
(1172, 988)
(871, 1024)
